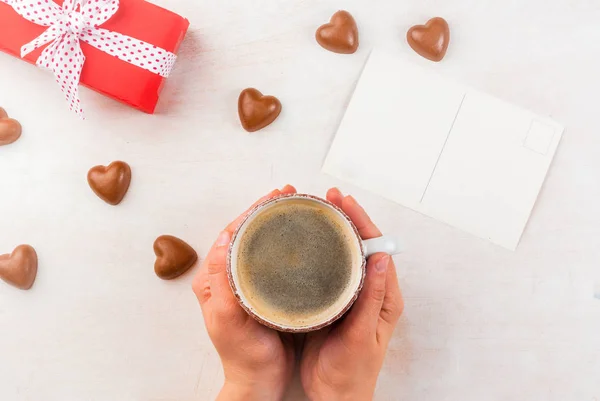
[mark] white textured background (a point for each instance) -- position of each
(481, 323)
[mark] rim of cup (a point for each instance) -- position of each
(336, 314)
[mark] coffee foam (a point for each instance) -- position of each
(298, 280)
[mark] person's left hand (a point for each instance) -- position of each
(258, 362)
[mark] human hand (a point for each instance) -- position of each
(342, 362)
(258, 362)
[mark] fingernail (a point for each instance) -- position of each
(382, 264)
(224, 238)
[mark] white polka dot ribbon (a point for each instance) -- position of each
(79, 20)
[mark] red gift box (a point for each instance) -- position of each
(102, 72)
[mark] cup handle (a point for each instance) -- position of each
(385, 244)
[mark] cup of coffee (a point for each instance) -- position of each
(297, 263)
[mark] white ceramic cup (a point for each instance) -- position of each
(361, 250)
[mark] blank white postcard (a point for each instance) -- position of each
(443, 149)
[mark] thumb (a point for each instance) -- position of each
(224, 305)
(315, 339)
(361, 322)
(216, 265)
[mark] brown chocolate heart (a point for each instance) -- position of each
(20, 267)
(110, 183)
(340, 35)
(257, 111)
(430, 40)
(10, 129)
(173, 257)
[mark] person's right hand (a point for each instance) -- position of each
(342, 362)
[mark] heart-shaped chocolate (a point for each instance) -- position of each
(340, 35)
(430, 40)
(110, 183)
(173, 257)
(257, 111)
(20, 267)
(10, 129)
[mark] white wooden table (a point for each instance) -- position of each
(481, 323)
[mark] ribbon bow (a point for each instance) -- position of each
(79, 20)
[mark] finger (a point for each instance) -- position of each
(223, 302)
(366, 228)
(288, 189)
(393, 304)
(362, 321)
(216, 264)
(335, 196)
(234, 224)
(201, 286)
